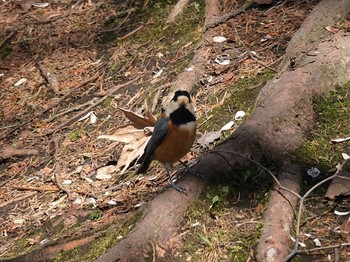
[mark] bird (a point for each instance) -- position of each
(173, 135)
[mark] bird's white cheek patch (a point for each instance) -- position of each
(188, 126)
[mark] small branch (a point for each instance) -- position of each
(131, 33)
(76, 108)
(157, 95)
(17, 199)
(222, 19)
(295, 250)
(6, 38)
(50, 78)
(250, 53)
(88, 109)
(58, 169)
(90, 79)
(52, 189)
(261, 166)
(8, 152)
(178, 8)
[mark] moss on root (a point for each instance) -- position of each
(241, 96)
(333, 121)
(91, 251)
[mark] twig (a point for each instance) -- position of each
(261, 166)
(8, 152)
(6, 38)
(50, 78)
(120, 25)
(76, 108)
(6, 133)
(58, 170)
(34, 188)
(131, 33)
(51, 189)
(250, 53)
(99, 101)
(17, 199)
(311, 250)
(178, 8)
(295, 250)
(225, 17)
(157, 95)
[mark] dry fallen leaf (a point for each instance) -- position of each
(131, 152)
(209, 138)
(125, 134)
(139, 121)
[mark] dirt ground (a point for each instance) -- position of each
(63, 60)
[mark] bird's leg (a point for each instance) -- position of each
(171, 183)
(188, 169)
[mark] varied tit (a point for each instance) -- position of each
(173, 135)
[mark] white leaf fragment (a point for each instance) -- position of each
(227, 126)
(139, 204)
(67, 182)
(105, 172)
(190, 68)
(40, 5)
(219, 39)
(300, 243)
(345, 156)
(313, 172)
(239, 115)
(159, 73)
(112, 202)
(91, 114)
(340, 140)
(341, 213)
(222, 61)
(21, 82)
(317, 242)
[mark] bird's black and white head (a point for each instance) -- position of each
(180, 109)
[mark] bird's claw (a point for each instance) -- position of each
(198, 174)
(178, 188)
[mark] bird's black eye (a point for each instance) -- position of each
(182, 93)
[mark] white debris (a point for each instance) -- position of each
(313, 172)
(239, 115)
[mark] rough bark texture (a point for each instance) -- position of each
(282, 116)
(273, 245)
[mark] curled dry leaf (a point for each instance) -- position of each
(105, 172)
(139, 121)
(125, 134)
(209, 138)
(131, 152)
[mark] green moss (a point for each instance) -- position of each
(242, 96)
(217, 233)
(156, 37)
(333, 121)
(93, 250)
(95, 215)
(74, 136)
(5, 51)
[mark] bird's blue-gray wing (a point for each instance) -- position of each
(159, 133)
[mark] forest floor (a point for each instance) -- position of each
(62, 61)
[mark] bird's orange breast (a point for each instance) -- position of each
(176, 144)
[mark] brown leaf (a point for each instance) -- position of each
(139, 121)
(132, 152)
(339, 186)
(125, 134)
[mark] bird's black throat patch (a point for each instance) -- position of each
(182, 116)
